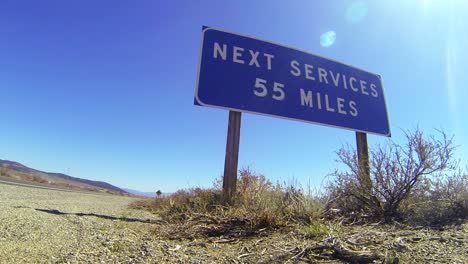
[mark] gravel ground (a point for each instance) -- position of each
(49, 226)
(38, 225)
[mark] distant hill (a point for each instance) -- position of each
(145, 194)
(140, 193)
(17, 171)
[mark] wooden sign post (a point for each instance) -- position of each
(232, 156)
(363, 160)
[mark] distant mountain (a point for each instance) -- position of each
(145, 194)
(17, 171)
(140, 193)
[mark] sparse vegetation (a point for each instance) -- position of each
(439, 200)
(258, 201)
(266, 223)
(3, 172)
(414, 184)
(398, 174)
(409, 183)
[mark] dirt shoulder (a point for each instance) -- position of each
(38, 225)
(200, 236)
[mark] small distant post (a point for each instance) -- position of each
(363, 160)
(232, 156)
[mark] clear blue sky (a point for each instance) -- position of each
(104, 90)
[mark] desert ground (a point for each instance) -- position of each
(51, 226)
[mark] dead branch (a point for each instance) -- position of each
(339, 252)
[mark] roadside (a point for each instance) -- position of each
(10, 181)
(38, 225)
(33, 184)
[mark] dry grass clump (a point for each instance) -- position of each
(441, 200)
(406, 183)
(275, 203)
(258, 204)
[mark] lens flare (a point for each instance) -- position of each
(356, 12)
(328, 38)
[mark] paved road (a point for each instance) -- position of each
(46, 187)
(37, 186)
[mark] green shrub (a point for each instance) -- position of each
(315, 229)
(319, 228)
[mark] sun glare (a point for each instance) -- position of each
(328, 38)
(356, 12)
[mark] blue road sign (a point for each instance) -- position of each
(245, 74)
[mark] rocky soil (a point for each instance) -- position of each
(50, 226)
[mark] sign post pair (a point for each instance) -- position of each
(245, 74)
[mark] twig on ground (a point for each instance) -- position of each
(339, 252)
(225, 241)
(258, 241)
(244, 256)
